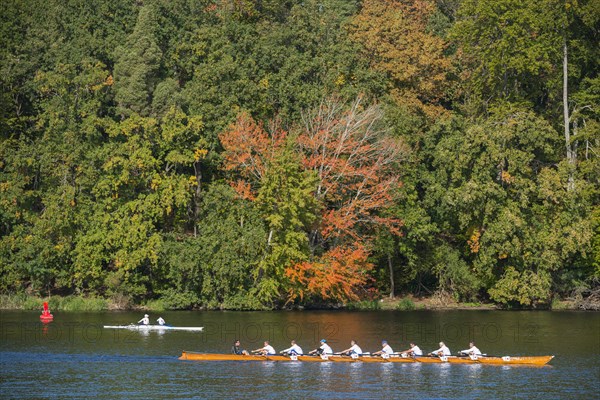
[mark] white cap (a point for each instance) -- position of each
(145, 315)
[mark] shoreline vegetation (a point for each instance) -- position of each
(257, 155)
(399, 303)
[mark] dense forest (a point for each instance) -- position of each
(251, 154)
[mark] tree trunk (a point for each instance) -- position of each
(566, 118)
(391, 267)
(197, 194)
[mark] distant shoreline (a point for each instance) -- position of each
(405, 303)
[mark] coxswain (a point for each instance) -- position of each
(353, 349)
(472, 350)
(237, 348)
(266, 350)
(294, 350)
(160, 321)
(323, 349)
(442, 351)
(145, 320)
(385, 349)
(414, 350)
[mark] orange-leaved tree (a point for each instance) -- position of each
(356, 165)
(269, 172)
(335, 275)
(350, 165)
(249, 147)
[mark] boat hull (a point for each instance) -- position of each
(156, 328)
(506, 360)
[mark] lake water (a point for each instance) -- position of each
(75, 357)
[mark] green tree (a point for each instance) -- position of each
(215, 268)
(508, 49)
(500, 196)
(287, 203)
(137, 66)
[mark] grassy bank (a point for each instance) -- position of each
(67, 303)
(408, 303)
(405, 303)
(77, 303)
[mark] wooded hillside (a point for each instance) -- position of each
(246, 154)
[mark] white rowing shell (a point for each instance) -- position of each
(156, 327)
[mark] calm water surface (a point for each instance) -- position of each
(75, 357)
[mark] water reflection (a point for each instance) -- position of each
(77, 356)
(268, 368)
(444, 372)
(144, 333)
(293, 366)
(44, 329)
(387, 373)
(475, 371)
(325, 370)
(355, 370)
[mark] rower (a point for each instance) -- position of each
(294, 350)
(442, 351)
(472, 350)
(413, 351)
(267, 350)
(386, 349)
(237, 349)
(160, 321)
(145, 320)
(323, 349)
(354, 349)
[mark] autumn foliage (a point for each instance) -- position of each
(249, 148)
(353, 160)
(396, 38)
(126, 124)
(335, 275)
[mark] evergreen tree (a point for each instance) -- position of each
(137, 67)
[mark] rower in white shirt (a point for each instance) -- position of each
(294, 350)
(353, 349)
(324, 349)
(442, 351)
(160, 321)
(414, 350)
(472, 350)
(386, 349)
(145, 320)
(267, 350)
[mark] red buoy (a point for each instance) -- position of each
(46, 317)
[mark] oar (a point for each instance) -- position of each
(383, 356)
(404, 354)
